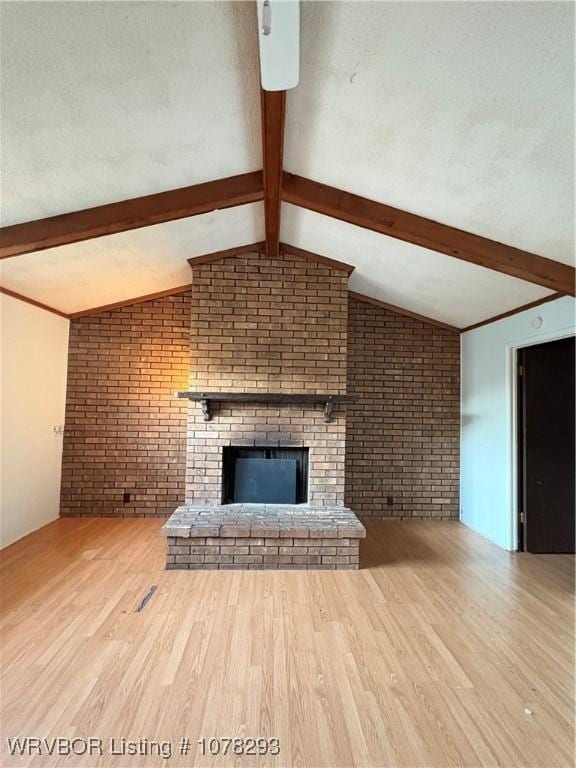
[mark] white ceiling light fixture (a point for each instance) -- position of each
(279, 40)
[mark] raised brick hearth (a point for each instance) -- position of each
(262, 537)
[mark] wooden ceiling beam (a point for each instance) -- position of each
(401, 311)
(130, 302)
(426, 233)
(130, 214)
(510, 312)
(273, 116)
(33, 302)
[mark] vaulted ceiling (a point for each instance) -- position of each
(459, 112)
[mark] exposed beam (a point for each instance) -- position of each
(402, 311)
(33, 302)
(129, 302)
(273, 114)
(511, 312)
(428, 234)
(130, 214)
(208, 258)
(285, 248)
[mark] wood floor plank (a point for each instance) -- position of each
(443, 650)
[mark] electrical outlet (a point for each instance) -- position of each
(126, 497)
(390, 501)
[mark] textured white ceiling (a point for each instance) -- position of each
(415, 278)
(459, 111)
(102, 101)
(117, 267)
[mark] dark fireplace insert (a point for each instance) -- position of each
(264, 475)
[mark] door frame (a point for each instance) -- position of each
(512, 388)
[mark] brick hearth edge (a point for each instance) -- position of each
(262, 537)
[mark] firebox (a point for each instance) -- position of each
(264, 475)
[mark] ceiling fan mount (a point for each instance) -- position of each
(279, 43)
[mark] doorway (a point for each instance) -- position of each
(546, 438)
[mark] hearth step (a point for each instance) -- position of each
(262, 537)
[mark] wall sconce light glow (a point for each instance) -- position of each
(279, 41)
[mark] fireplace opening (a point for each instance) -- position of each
(264, 475)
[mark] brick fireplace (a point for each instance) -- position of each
(270, 335)
(126, 436)
(287, 426)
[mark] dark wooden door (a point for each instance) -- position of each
(546, 455)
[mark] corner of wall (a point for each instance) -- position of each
(34, 353)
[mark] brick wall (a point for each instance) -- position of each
(276, 325)
(402, 436)
(262, 553)
(124, 428)
(126, 431)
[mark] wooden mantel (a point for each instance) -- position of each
(279, 398)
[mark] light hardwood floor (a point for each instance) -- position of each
(427, 656)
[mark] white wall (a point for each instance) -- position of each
(34, 355)
(488, 463)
